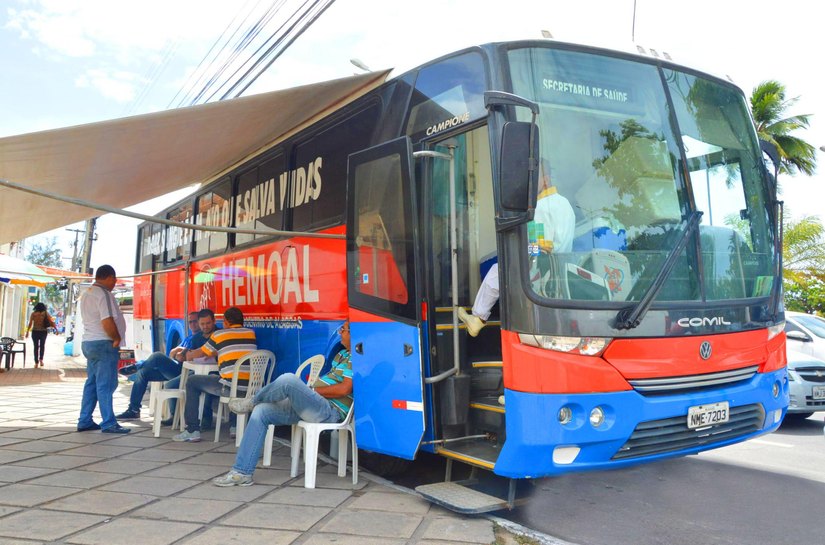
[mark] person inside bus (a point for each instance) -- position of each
(287, 401)
(228, 345)
(39, 323)
(552, 228)
(160, 367)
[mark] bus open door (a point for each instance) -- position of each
(384, 299)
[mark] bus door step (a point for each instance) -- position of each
(461, 499)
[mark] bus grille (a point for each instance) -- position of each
(692, 382)
(670, 434)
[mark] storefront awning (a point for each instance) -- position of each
(20, 272)
(126, 161)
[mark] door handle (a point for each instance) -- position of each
(408, 350)
(359, 348)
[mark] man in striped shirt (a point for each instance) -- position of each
(228, 345)
(286, 401)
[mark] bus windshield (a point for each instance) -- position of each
(617, 138)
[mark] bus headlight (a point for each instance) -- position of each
(597, 417)
(585, 346)
(775, 330)
(565, 415)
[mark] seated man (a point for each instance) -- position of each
(286, 401)
(161, 367)
(228, 344)
(552, 229)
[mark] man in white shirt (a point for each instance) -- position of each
(553, 226)
(104, 328)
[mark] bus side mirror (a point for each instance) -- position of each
(519, 182)
(798, 336)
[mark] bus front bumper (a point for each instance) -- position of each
(634, 429)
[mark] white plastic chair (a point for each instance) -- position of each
(158, 395)
(315, 364)
(310, 432)
(258, 361)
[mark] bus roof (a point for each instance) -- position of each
(126, 161)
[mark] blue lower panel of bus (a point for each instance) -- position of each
(636, 428)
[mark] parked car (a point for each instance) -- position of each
(805, 333)
(806, 380)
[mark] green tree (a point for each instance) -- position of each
(769, 108)
(803, 256)
(49, 255)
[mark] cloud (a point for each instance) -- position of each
(119, 86)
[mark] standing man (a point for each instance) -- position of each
(158, 366)
(228, 344)
(103, 330)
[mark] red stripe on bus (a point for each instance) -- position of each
(356, 315)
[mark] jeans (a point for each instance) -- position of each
(196, 384)
(101, 383)
(156, 367)
(39, 341)
(285, 401)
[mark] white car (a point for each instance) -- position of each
(806, 381)
(805, 333)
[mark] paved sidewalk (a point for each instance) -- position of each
(60, 486)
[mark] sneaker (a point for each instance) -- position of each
(167, 422)
(232, 432)
(474, 323)
(117, 428)
(91, 427)
(241, 405)
(128, 415)
(188, 436)
(233, 478)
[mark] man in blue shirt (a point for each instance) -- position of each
(158, 366)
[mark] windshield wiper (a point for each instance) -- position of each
(631, 317)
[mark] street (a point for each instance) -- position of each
(765, 491)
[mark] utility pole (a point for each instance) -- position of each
(87, 244)
(75, 263)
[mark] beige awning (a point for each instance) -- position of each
(127, 161)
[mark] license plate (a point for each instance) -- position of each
(708, 415)
(819, 392)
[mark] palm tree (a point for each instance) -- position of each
(768, 106)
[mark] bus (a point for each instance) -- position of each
(657, 333)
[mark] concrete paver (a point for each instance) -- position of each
(61, 486)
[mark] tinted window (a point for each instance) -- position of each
(214, 210)
(380, 230)
(814, 324)
(447, 94)
(319, 180)
(179, 239)
(260, 198)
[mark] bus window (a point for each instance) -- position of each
(382, 242)
(446, 95)
(178, 239)
(259, 203)
(214, 210)
(320, 176)
(147, 247)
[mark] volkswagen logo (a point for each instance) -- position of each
(705, 350)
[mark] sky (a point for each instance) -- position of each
(69, 62)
